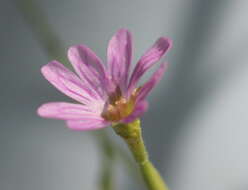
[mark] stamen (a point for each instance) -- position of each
(119, 107)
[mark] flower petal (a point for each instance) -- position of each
(66, 111)
(88, 66)
(68, 83)
(153, 55)
(140, 108)
(87, 124)
(119, 57)
(152, 82)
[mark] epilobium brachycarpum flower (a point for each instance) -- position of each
(106, 94)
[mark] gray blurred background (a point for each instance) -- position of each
(196, 127)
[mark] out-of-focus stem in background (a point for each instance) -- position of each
(108, 158)
(49, 41)
(53, 47)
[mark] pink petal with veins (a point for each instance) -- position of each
(153, 55)
(66, 111)
(68, 83)
(88, 66)
(87, 124)
(119, 57)
(152, 82)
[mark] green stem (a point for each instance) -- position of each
(132, 135)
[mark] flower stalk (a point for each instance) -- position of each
(131, 133)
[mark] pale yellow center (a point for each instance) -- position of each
(119, 107)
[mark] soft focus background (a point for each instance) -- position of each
(196, 128)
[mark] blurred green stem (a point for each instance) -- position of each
(54, 49)
(106, 181)
(34, 16)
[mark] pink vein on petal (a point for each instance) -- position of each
(88, 66)
(152, 82)
(87, 124)
(68, 83)
(66, 111)
(153, 55)
(119, 57)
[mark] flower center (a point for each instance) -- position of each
(119, 107)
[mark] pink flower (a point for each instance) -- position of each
(106, 94)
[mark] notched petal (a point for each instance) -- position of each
(154, 54)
